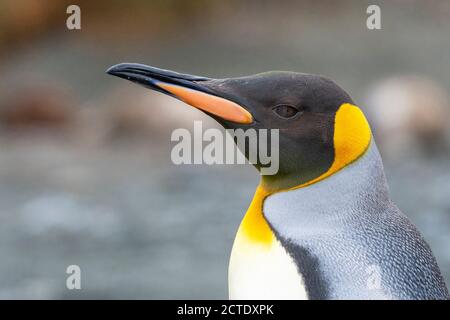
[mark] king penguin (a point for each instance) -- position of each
(323, 226)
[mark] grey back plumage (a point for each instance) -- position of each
(350, 241)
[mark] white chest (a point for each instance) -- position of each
(263, 272)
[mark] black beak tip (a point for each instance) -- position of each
(127, 71)
(110, 70)
(116, 69)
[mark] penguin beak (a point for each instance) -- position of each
(193, 90)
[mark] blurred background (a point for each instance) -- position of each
(85, 170)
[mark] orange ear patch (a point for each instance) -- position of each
(352, 137)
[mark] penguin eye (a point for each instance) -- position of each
(285, 111)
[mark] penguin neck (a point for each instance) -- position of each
(353, 190)
(357, 183)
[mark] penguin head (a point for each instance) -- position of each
(320, 129)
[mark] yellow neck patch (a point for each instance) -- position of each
(352, 137)
(254, 226)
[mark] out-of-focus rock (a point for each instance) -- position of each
(23, 20)
(36, 107)
(409, 114)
